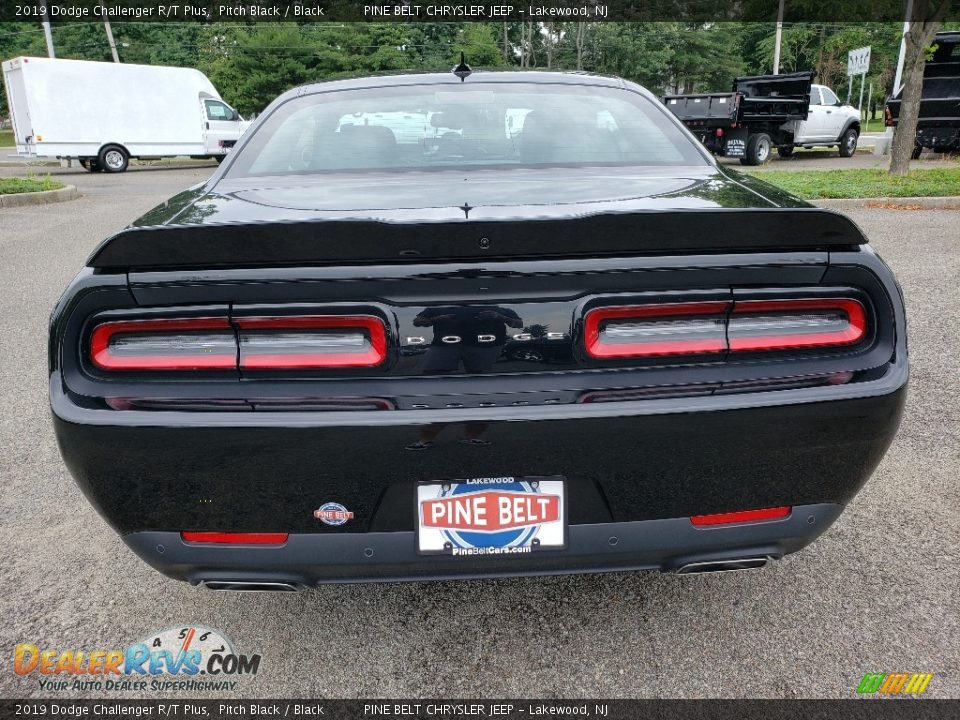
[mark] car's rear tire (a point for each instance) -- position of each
(113, 159)
(915, 155)
(848, 143)
(758, 149)
(785, 151)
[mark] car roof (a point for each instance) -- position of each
(448, 78)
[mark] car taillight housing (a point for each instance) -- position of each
(245, 343)
(791, 324)
(200, 343)
(651, 330)
(716, 328)
(312, 341)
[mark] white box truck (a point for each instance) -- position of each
(106, 113)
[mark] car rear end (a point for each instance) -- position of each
(683, 387)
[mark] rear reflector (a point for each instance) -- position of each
(235, 538)
(742, 516)
(312, 341)
(789, 324)
(206, 343)
(651, 330)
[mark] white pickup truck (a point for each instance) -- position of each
(769, 111)
(829, 122)
(105, 113)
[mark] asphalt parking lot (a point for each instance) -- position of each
(877, 593)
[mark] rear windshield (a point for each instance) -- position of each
(473, 125)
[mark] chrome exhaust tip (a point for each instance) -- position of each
(716, 566)
(248, 586)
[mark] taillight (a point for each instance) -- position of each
(205, 343)
(312, 341)
(887, 116)
(235, 538)
(793, 324)
(651, 330)
(718, 327)
(253, 343)
(741, 516)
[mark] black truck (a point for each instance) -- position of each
(766, 111)
(938, 126)
(746, 122)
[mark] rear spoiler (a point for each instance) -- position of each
(339, 242)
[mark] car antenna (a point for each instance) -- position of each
(462, 70)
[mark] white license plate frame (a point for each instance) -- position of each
(448, 515)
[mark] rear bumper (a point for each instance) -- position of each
(309, 559)
(946, 137)
(636, 471)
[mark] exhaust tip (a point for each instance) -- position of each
(245, 586)
(716, 566)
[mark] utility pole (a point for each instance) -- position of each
(903, 51)
(776, 46)
(106, 25)
(113, 44)
(47, 33)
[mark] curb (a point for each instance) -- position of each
(16, 164)
(890, 203)
(68, 192)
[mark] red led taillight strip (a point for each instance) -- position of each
(261, 338)
(235, 538)
(779, 324)
(203, 343)
(657, 329)
(741, 516)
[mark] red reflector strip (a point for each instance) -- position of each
(789, 324)
(741, 516)
(649, 330)
(235, 538)
(311, 341)
(164, 344)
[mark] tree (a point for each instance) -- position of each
(926, 19)
(635, 51)
(704, 57)
(480, 44)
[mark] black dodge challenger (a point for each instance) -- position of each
(432, 326)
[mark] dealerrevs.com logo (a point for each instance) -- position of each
(888, 684)
(178, 658)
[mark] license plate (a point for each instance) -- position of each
(491, 516)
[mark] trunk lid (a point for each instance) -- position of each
(444, 216)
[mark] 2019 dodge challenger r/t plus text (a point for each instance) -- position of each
(429, 326)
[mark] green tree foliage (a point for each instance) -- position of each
(250, 64)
